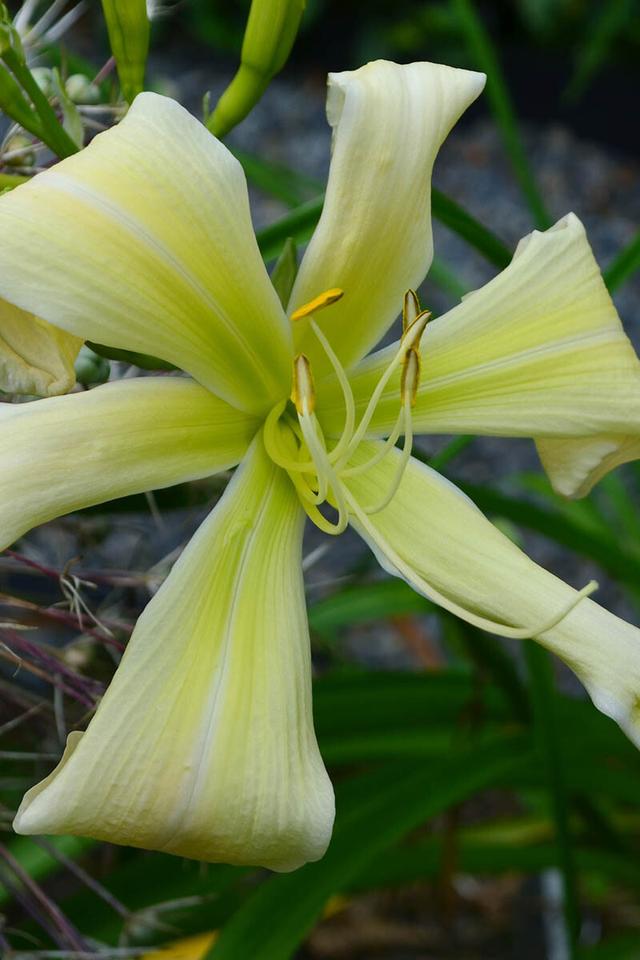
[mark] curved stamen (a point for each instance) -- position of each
(327, 478)
(409, 382)
(386, 448)
(347, 393)
(402, 463)
(409, 340)
(429, 591)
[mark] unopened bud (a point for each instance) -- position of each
(303, 391)
(80, 89)
(271, 29)
(18, 151)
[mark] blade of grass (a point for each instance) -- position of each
(297, 225)
(277, 181)
(624, 266)
(483, 52)
(452, 215)
(610, 20)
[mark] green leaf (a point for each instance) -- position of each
(291, 187)
(452, 215)
(284, 273)
(365, 603)
(374, 811)
(297, 225)
(445, 278)
(611, 19)
(483, 51)
(624, 266)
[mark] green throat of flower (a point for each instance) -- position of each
(294, 438)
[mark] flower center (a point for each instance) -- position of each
(295, 441)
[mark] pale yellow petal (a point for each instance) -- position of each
(374, 238)
(35, 358)
(574, 466)
(432, 532)
(64, 453)
(144, 241)
(203, 745)
(539, 351)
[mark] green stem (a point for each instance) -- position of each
(52, 131)
(543, 696)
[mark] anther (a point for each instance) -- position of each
(303, 391)
(410, 378)
(410, 309)
(318, 303)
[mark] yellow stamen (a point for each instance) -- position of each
(318, 303)
(303, 392)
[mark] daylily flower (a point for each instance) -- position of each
(203, 745)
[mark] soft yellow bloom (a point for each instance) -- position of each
(203, 744)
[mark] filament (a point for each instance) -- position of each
(411, 337)
(380, 454)
(347, 393)
(402, 462)
(429, 591)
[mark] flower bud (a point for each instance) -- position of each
(271, 29)
(19, 145)
(80, 89)
(128, 27)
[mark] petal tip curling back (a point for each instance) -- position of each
(374, 238)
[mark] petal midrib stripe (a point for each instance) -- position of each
(116, 213)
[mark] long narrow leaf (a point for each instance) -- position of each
(486, 58)
(624, 266)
